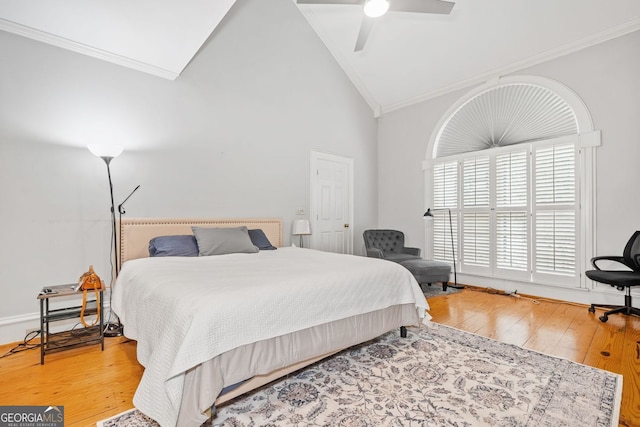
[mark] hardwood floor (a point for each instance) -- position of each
(93, 385)
(90, 384)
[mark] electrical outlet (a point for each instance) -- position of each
(300, 211)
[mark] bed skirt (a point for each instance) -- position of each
(264, 361)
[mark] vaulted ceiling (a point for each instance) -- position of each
(409, 57)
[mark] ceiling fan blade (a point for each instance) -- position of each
(421, 6)
(329, 1)
(365, 30)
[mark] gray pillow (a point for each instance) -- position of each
(220, 241)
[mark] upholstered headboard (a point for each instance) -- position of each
(135, 233)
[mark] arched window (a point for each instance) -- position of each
(513, 161)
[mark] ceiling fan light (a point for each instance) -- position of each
(376, 8)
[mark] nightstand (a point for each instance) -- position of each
(58, 341)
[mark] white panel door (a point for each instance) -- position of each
(331, 205)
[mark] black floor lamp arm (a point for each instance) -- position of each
(121, 212)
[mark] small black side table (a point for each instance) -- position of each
(58, 341)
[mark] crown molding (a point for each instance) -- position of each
(592, 40)
(42, 36)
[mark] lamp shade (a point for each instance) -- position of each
(428, 214)
(105, 150)
(300, 227)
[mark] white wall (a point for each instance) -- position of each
(230, 137)
(605, 76)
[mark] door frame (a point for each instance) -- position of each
(313, 191)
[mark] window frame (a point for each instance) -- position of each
(589, 138)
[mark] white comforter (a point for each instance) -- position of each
(184, 311)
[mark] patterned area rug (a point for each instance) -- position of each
(437, 376)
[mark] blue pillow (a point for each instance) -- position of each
(173, 246)
(259, 239)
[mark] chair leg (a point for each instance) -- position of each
(626, 309)
(619, 309)
(606, 305)
(444, 286)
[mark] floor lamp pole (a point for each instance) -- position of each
(113, 217)
(453, 254)
(113, 329)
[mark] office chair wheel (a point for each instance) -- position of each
(592, 309)
(603, 318)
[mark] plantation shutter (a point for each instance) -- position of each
(512, 195)
(445, 195)
(476, 242)
(476, 227)
(555, 210)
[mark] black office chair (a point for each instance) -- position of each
(621, 279)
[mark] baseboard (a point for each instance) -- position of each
(14, 328)
(602, 294)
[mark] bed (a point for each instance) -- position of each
(205, 324)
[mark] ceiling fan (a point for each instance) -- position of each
(376, 8)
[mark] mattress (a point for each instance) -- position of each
(188, 313)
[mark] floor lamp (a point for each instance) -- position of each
(429, 216)
(108, 153)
